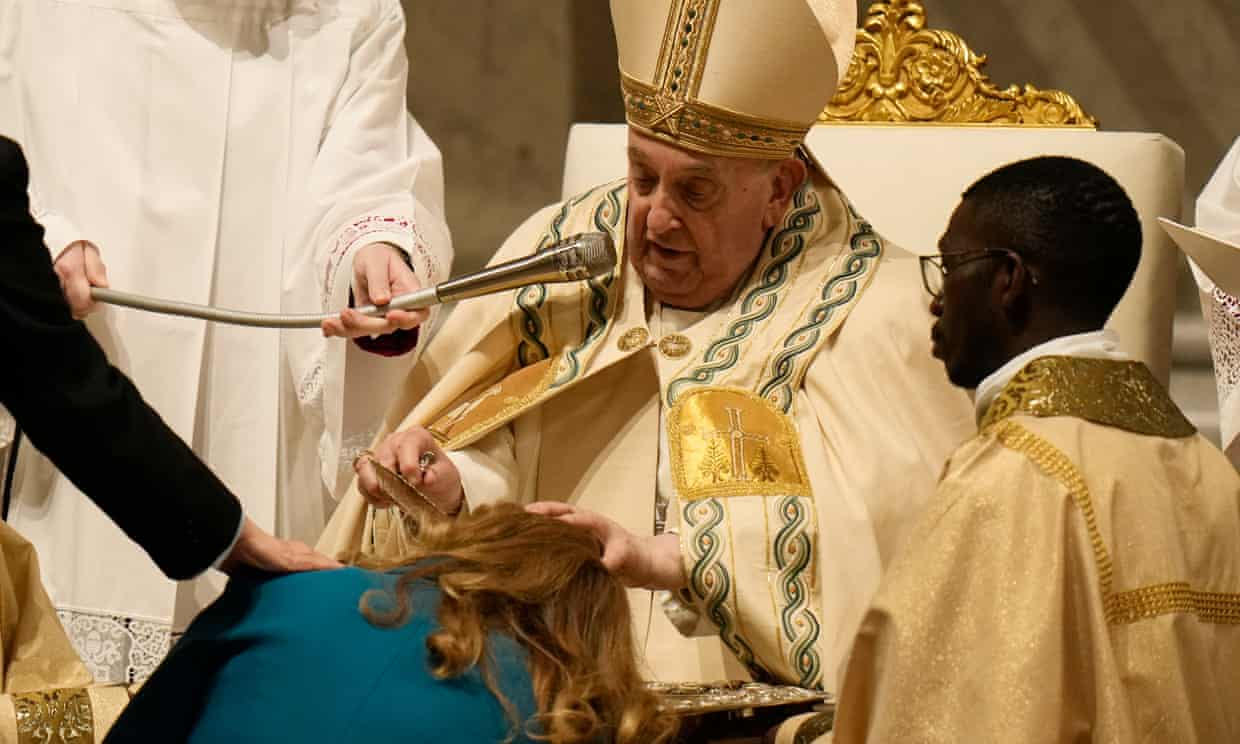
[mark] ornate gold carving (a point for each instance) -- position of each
(61, 716)
(1122, 395)
(902, 71)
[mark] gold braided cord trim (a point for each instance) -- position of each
(705, 128)
(1056, 464)
(1175, 597)
(686, 44)
(63, 716)
(1135, 604)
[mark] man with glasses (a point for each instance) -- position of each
(1077, 574)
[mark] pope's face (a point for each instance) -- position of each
(697, 222)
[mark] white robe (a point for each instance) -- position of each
(231, 152)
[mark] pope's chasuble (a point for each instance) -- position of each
(805, 414)
(236, 153)
(1075, 578)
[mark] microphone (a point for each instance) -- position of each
(577, 257)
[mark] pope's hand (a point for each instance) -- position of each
(414, 454)
(80, 268)
(649, 562)
(258, 549)
(379, 274)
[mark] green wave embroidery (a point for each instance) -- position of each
(793, 551)
(606, 218)
(530, 299)
(865, 246)
(709, 579)
(761, 301)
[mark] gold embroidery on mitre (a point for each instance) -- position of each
(632, 339)
(669, 107)
(504, 400)
(705, 128)
(731, 442)
(675, 345)
(63, 715)
(1122, 395)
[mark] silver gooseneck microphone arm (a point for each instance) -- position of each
(574, 258)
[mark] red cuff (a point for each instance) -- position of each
(391, 344)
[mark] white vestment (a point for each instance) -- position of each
(234, 153)
(1218, 213)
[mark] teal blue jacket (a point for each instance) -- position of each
(291, 659)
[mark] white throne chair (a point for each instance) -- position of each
(916, 121)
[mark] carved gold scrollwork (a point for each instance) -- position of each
(902, 71)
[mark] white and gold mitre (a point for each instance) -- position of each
(738, 78)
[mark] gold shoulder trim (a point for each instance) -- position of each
(902, 71)
(1125, 607)
(1122, 395)
(503, 401)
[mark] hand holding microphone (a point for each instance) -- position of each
(380, 272)
(575, 258)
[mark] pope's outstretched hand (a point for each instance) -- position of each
(650, 562)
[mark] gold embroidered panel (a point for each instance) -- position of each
(731, 442)
(502, 400)
(902, 71)
(1122, 395)
(62, 716)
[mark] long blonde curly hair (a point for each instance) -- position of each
(542, 582)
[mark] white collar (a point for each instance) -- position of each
(1091, 345)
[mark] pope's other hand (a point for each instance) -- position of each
(416, 455)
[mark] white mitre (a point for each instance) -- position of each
(737, 78)
(1213, 249)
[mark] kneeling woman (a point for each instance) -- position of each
(505, 627)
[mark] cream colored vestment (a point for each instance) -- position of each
(557, 392)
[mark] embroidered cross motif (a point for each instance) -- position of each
(736, 437)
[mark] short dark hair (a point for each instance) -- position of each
(1072, 221)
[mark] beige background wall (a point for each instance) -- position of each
(498, 82)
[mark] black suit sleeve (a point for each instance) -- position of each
(86, 416)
